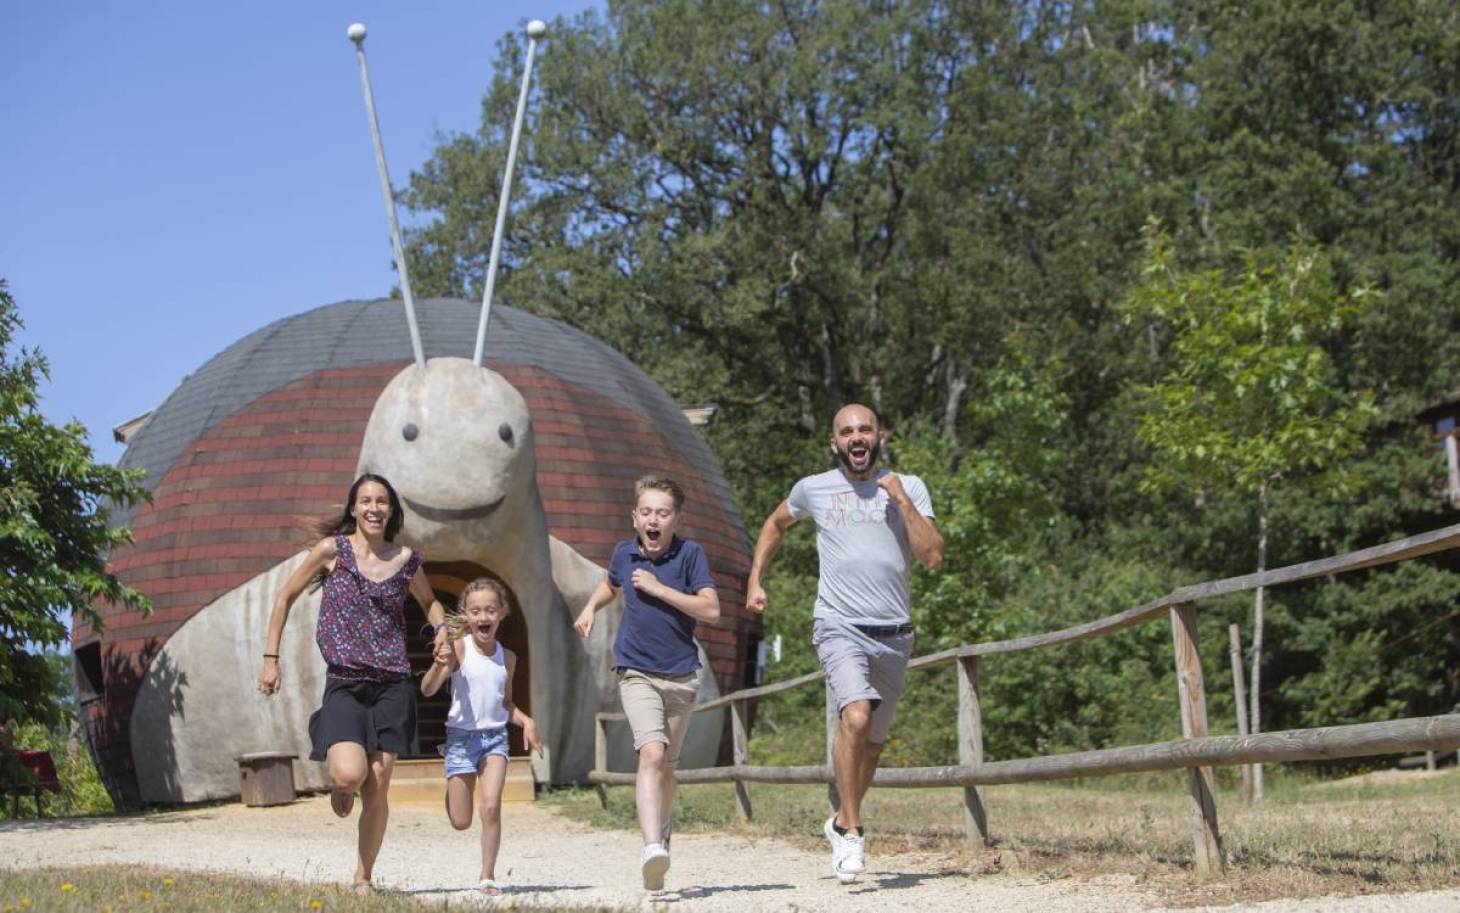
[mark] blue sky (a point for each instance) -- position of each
(178, 174)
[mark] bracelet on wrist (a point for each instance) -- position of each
(274, 656)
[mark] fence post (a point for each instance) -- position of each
(600, 756)
(833, 722)
(970, 750)
(1206, 837)
(740, 736)
(1239, 695)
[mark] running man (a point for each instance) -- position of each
(870, 523)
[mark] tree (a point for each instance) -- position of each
(782, 208)
(995, 502)
(54, 532)
(1248, 396)
(779, 207)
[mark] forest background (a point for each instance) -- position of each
(1130, 282)
(1148, 293)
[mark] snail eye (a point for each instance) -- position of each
(504, 431)
(410, 431)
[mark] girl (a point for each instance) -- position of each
(367, 717)
(480, 670)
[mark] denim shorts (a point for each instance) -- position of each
(467, 748)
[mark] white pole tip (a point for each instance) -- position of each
(356, 32)
(536, 28)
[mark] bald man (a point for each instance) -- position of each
(870, 524)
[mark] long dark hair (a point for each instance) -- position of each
(346, 523)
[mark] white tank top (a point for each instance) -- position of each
(478, 689)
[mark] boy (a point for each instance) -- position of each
(667, 588)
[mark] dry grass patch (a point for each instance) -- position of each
(1307, 839)
(125, 889)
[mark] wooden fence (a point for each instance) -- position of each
(1196, 752)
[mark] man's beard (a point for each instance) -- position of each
(844, 459)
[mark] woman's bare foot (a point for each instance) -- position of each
(364, 888)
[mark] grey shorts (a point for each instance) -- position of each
(659, 707)
(863, 668)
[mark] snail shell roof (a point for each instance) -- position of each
(370, 332)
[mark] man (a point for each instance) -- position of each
(869, 524)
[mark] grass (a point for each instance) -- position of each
(114, 889)
(1306, 839)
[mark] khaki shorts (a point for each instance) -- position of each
(659, 707)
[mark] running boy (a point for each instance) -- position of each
(667, 588)
(481, 670)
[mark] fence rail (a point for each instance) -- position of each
(1196, 752)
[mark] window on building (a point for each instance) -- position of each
(89, 682)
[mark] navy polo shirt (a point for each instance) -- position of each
(654, 636)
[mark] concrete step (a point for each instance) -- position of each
(423, 782)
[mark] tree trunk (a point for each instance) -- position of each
(1255, 716)
(957, 385)
(1239, 698)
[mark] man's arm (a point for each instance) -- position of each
(922, 535)
(771, 534)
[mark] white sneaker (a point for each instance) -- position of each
(654, 862)
(848, 853)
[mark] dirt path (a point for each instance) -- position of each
(547, 859)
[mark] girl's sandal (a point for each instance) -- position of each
(364, 889)
(489, 887)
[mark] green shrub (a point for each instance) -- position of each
(82, 792)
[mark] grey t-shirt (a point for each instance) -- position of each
(862, 541)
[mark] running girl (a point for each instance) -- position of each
(480, 670)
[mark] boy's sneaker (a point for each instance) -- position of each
(848, 853)
(654, 862)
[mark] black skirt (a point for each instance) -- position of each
(379, 716)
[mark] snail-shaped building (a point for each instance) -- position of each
(522, 469)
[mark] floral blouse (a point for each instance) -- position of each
(362, 626)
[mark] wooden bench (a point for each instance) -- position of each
(266, 778)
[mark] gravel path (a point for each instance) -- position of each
(548, 859)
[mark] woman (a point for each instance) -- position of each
(367, 717)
